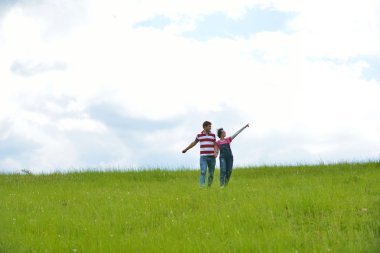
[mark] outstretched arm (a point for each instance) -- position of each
(238, 132)
(190, 146)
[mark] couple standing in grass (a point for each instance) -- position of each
(209, 149)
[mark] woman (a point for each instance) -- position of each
(226, 158)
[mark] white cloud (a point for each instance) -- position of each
(87, 125)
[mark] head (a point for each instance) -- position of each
(207, 126)
(221, 133)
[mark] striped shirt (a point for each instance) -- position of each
(206, 142)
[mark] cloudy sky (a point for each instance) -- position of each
(127, 84)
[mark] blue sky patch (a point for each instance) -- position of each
(7, 2)
(158, 22)
(373, 70)
(255, 20)
(5, 5)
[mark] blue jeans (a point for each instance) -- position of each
(226, 164)
(207, 161)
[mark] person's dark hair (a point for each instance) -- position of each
(206, 123)
(220, 130)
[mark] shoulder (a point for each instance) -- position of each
(200, 134)
(210, 135)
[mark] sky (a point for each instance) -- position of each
(90, 84)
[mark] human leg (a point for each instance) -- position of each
(203, 168)
(211, 161)
(222, 162)
(229, 165)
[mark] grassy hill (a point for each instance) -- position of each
(324, 208)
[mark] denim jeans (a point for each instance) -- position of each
(207, 161)
(226, 164)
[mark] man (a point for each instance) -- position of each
(207, 159)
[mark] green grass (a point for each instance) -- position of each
(322, 208)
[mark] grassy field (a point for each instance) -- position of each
(323, 208)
